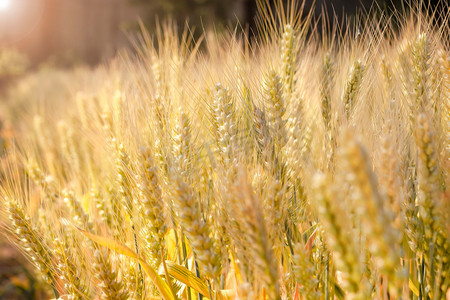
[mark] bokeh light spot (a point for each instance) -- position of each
(4, 4)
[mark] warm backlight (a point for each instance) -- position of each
(4, 4)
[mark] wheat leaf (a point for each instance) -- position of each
(161, 285)
(182, 274)
(413, 288)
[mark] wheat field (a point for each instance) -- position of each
(310, 163)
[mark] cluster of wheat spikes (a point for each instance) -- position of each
(308, 164)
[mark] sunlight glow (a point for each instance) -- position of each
(4, 4)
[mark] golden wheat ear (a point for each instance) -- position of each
(32, 242)
(335, 221)
(224, 168)
(152, 210)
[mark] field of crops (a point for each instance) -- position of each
(310, 163)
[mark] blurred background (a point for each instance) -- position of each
(67, 32)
